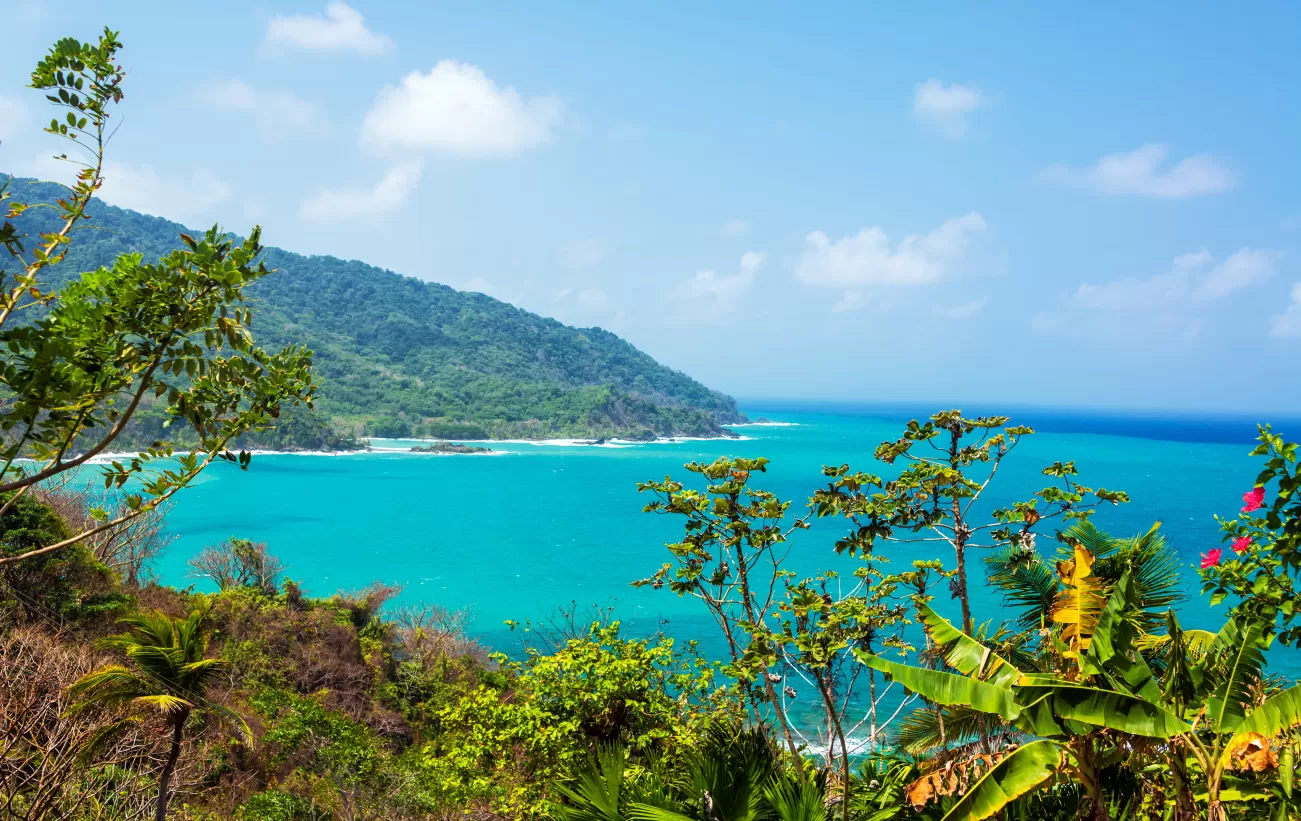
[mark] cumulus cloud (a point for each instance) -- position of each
(867, 258)
(1288, 323)
(455, 108)
(279, 114)
(342, 28)
(584, 254)
(1243, 269)
(1144, 172)
(1192, 279)
(346, 204)
(13, 117)
(947, 108)
(718, 294)
(1172, 302)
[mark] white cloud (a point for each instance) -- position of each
(867, 258)
(455, 108)
(279, 114)
(347, 204)
(718, 294)
(190, 199)
(1144, 172)
(342, 28)
(966, 310)
(1176, 302)
(735, 228)
(947, 108)
(1192, 279)
(593, 299)
(1288, 323)
(584, 254)
(1243, 269)
(13, 117)
(850, 301)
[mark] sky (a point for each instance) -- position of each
(1019, 202)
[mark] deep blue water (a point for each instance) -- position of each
(514, 535)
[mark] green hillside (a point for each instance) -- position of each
(398, 356)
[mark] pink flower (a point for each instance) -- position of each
(1242, 545)
(1211, 559)
(1253, 499)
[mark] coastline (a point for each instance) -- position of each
(105, 458)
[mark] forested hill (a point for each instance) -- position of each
(398, 356)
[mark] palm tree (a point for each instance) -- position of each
(166, 673)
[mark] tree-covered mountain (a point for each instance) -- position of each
(398, 356)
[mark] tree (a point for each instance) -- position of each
(81, 358)
(166, 673)
(239, 563)
(730, 559)
(1264, 566)
(1096, 693)
(937, 493)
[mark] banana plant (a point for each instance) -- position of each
(1100, 691)
(1236, 728)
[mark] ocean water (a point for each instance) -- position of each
(516, 534)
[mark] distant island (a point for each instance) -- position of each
(398, 357)
(449, 447)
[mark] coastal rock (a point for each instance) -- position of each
(449, 447)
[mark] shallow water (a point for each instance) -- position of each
(535, 526)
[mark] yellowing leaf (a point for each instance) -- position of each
(1078, 606)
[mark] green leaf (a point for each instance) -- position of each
(1045, 706)
(1008, 780)
(1231, 665)
(965, 654)
(946, 688)
(1278, 713)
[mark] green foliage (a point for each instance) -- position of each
(504, 748)
(397, 356)
(82, 352)
(1261, 571)
(68, 585)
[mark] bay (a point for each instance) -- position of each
(537, 526)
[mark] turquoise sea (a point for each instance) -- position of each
(516, 534)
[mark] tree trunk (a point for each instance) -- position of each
(1088, 772)
(960, 535)
(1185, 809)
(165, 777)
(960, 552)
(743, 576)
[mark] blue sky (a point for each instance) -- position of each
(1018, 202)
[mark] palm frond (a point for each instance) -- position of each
(798, 799)
(1155, 568)
(594, 793)
(234, 720)
(165, 703)
(920, 731)
(1027, 582)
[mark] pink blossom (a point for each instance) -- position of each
(1253, 499)
(1242, 545)
(1212, 558)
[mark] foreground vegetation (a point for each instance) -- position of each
(121, 698)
